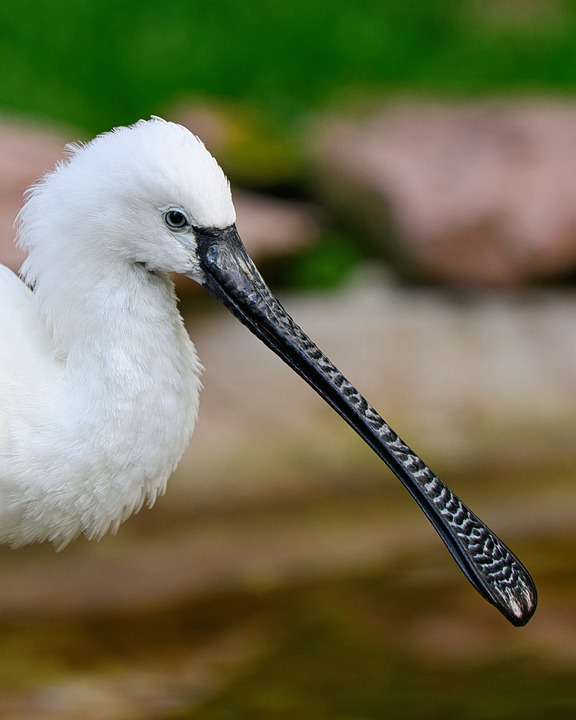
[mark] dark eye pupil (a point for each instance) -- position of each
(175, 219)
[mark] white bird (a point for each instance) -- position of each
(99, 381)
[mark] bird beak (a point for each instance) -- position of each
(495, 572)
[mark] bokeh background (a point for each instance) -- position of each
(405, 176)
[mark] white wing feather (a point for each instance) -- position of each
(27, 367)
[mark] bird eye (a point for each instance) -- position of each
(176, 220)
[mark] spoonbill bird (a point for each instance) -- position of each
(99, 381)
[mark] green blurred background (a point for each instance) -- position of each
(99, 64)
(372, 645)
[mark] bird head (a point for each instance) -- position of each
(135, 194)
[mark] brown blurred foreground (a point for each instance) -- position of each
(276, 497)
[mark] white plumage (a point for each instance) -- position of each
(99, 381)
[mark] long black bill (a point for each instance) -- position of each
(495, 572)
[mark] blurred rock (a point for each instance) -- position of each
(481, 193)
(270, 226)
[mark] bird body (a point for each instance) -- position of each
(99, 381)
(89, 436)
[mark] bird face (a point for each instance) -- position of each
(134, 195)
(177, 189)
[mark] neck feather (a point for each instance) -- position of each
(127, 382)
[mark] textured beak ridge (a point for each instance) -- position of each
(491, 567)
